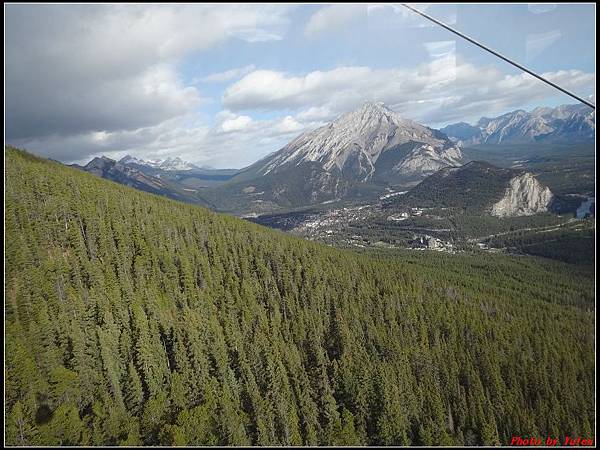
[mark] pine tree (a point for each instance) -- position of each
(20, 430)
(134, 394)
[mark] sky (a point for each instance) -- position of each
(223, 85)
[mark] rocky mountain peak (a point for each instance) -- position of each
(354, 142)
(128, 158)
(100, 162)
(369, 110)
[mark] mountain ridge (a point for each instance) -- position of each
(354, 158)
(483, 188)
(169, 164)
(147, 181)
(564, 123)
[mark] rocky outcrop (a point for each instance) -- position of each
(524, 196)
(426, 160)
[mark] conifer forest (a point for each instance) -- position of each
(133, 319)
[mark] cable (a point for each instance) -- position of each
(480, 45)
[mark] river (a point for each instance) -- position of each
(585, 207)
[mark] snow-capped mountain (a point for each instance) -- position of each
(169, 164)
(565, 123)
(123, 173)
(129, 173)
(355, 142)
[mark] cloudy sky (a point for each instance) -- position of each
(223, 85)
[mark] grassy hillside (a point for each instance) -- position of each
(134, 319)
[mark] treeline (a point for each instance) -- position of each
(133, 319)
(469, 226)
(572, 244)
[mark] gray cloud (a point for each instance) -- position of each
(72, 70)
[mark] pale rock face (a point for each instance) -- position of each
(357, 139)
(524, 196)
(426, 159)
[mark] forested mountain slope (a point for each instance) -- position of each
(135, 319)
(481, 188)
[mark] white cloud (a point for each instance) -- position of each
(289, 125)
(227, 75)
(238, 124)
(229, 122)
(332, 18)
(438, 92)
(234, 140)
(174, 137)
(267, 89)
(444, 89)
(84, 80)
(240, 146)
(394, 16)
(256, 35)
(315, 114)
(540, 8)
(440, 49)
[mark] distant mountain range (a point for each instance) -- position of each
(565, 123)
(370, 142)
(122, 173)
(355, 157)
(176, 166)
(172, 178)
(169, 164)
